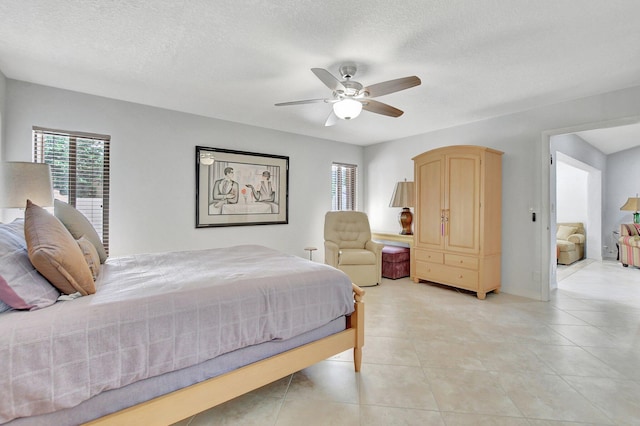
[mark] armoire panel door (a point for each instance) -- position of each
(430, 185)
(462, 203)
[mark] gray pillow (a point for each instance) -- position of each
(78, 225)
(21, 286)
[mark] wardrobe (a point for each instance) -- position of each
(457, 218)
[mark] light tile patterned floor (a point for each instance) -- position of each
(437, 356)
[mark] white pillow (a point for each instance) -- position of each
(79, 226)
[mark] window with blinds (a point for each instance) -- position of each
(80, 172)
(344, 178)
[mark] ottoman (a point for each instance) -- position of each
(395, 262)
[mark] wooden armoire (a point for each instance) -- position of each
(458, 218)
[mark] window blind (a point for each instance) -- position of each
(79, 170)
(343, 186)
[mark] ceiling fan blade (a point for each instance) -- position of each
(328, 79)
(392, 86)
(331, 120)
(381, 108)
(307, 101)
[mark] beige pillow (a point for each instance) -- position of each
(79, 226)
(55, 253)
(90, 255)
(564, 231)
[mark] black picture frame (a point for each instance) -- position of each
(238, 188)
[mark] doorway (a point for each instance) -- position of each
(578, 199)
(548, 199)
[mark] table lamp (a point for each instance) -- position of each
(403, 196)
(633, 205)
(22, 181)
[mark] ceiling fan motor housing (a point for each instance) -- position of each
(348, 71)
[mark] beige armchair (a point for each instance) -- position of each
(348, 247)
(570, 239)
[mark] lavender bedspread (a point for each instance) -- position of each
(156, 313)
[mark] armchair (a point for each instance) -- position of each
(570, 240)
(629, 245)
(348, 247)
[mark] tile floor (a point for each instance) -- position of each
(437, 356)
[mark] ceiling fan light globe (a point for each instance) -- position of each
(347, 109)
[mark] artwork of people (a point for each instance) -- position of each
(225, 190)
(265, 192)
(243, 189)
(235, 188)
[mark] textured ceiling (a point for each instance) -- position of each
(233, 59)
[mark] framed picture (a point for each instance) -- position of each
(236, 188)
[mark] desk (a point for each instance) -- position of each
(397, 238)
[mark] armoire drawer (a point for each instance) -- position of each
(466, 262)
(429, 256)
(445, 274)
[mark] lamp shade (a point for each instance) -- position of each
(403, 195)
(22, 181)
(347, 109)
(632, 204)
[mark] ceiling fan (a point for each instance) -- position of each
(349, 97)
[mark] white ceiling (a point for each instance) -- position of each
(613, 139)
(233, 59)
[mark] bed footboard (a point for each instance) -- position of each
(356, 322)
(180, 404)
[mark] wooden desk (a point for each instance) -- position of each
(397, 238)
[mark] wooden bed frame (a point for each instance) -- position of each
(186, 402)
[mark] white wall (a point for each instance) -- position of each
(579, 198)
(524, 138)
(153, 169)
(576, 152)
(623, 181)
(3, 96)
(577, 148)
(572, 193)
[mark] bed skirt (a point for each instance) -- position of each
(114, 400)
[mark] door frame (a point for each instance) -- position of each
(547, 258)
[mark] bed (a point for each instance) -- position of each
(168, 335)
